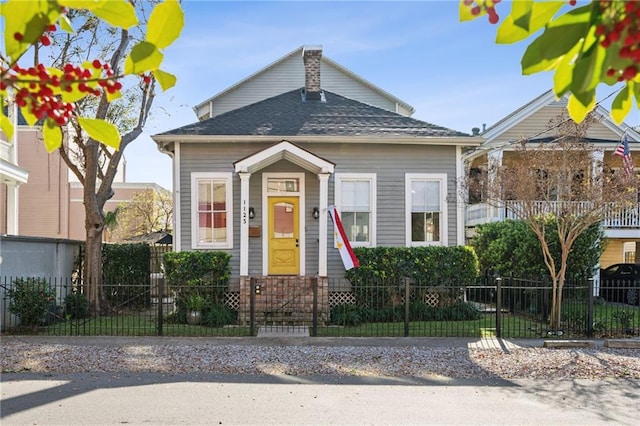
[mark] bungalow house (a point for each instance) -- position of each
(531, 122)
(256, 174)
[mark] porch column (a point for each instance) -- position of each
(495, 208)
(322, 224)
(12, 209)
(597, 168)
(244, 223)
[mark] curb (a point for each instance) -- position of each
(557, 344)
(622, 343)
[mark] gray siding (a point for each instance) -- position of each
(389, 162)
(289, 75)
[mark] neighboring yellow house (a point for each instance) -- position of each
(530, 122)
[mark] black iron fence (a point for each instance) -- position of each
(503, 307)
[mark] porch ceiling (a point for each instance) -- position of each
(284, 150)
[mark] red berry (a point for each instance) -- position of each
(630, 72)
(45, 40)
(18, 36)
(97, 64)
(493, 16)
(475, 10)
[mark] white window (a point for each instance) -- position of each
(355, 197)
(426, 209)
(211, 207)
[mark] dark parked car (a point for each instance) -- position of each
(621, 283)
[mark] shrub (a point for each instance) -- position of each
(126, 272)
(511, 247)
(218, 316)
(346, 315)
(380, 279)
(31, 298)
(206, 272)
(76, 306)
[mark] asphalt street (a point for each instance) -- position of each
(195, 399)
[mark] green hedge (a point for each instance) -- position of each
(203, 272)
(380, 279)
(126, 274)
(430, 265)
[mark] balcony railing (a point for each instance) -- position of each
(614, 218)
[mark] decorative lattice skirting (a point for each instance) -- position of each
(431, 299)
(341, 297)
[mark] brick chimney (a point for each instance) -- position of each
(312, 55)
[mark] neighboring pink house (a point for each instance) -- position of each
(50, 202)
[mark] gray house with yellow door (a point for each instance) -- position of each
(255, 174)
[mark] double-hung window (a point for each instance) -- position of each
(212, 216)
(426, 209)
(355, 197)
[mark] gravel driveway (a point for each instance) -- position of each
(419, 358)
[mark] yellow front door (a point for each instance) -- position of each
(284, 233)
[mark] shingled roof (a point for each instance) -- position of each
(289, 114)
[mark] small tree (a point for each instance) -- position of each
(511, 246)
(147, 211)
(96, 66)
(561, 182)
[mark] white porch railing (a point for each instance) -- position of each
(614, 218)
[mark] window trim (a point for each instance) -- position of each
(441, 178)
(372, 178)
(215, 176)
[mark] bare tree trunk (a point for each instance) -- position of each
(93, 263)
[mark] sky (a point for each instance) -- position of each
(452, 73)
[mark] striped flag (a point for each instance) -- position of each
(349, 258)
(623, 151)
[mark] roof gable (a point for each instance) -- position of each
(288, 151)
(530, 122)
(288, 73)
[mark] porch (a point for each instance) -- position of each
(481, 213)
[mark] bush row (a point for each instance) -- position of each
(352, 315)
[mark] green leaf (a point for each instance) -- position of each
(165, 79)
(165, 24)
(564, 73)
(143, 57)
(5, 125)
(52, 135)
(119, 13)
(65, 24)
(560, 36)
(621, 105)
(587, 69)
(578, 110)
(521, 13)
(101, 130)
(28, 116)
(34, 17)
(541, 14)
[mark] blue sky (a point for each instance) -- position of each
(452, 73)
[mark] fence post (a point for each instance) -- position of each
(314, 327)
(498, 307)
(160, 294)
(407, 294)
(252, 307)
(590, 309)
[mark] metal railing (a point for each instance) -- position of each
(481, 213)
(502, 307)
